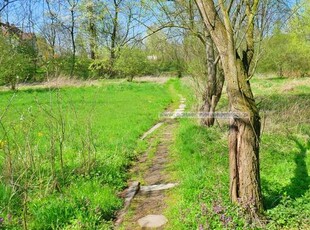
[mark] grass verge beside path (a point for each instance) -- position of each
(64, 152)
(201, 201)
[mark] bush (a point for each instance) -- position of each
(131, 62)
(286, 55)
(100, 67)
(17, 62)
(287, 51)
(63, 65)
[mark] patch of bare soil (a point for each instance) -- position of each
(151, 170)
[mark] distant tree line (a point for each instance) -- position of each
(287, 48)
(122, 38)
(84, 39)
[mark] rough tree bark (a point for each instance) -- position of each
(215, 81)
(244, 133)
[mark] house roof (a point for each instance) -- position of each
(11, 29)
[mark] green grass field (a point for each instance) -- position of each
(64, 152)
(202, 199)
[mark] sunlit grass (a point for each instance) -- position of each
(67, 151)
(200, 158)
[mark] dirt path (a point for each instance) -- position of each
(148, 205)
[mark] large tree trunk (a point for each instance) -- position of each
(244, 137)
(244, 133)
(215, 81)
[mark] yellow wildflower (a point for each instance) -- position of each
(2, 144)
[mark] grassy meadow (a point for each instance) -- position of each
(202, 199)
(64, 152)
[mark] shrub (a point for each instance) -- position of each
(100, 67)
(17, 62)
(131, 62)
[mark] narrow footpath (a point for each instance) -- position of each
(145, 197)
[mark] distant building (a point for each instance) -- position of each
(8, 29)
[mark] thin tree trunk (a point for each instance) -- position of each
(281, 71)
(92, 44)
(114, 38)
(73, 42)
(52, 36)
(13, 84)
(92, 32)
(215, 81)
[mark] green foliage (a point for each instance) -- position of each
(285, 180)
(290, 213)
(62, 65)
(131, 62)
(101, 67)
(287, 52)
(169, 55)
(195, 58)
(287, 55)
(17, 61)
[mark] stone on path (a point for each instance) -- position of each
(152, 221)
(152, 130)
(157, 187)
(131, 192)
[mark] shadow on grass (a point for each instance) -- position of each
(40, 90)
(31, 90)
(276, 78)
(300, 183)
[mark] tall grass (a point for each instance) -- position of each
(202, 200)
(64, 152)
